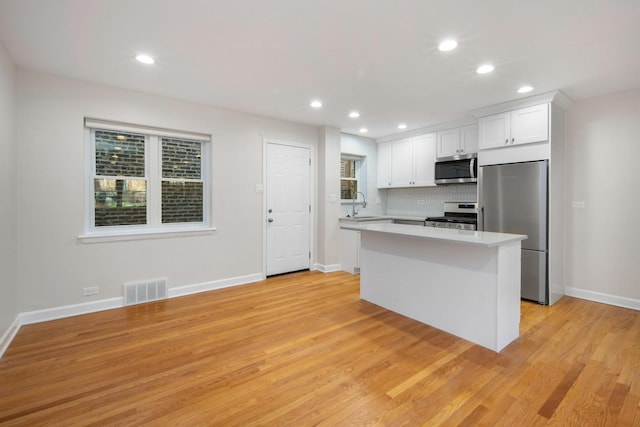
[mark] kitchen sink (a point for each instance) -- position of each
(365, 218)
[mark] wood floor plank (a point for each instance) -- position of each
(303, 349)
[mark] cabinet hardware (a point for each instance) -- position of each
(270, 220)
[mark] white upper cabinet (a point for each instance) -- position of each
(401, 162)
(448, 143)
(530, 124)
(469, 139)
(424, 160)
(522, 126)
(495, 131)
(454, 142)
(407, 162)
(384, 165)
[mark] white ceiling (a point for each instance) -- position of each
(380, 57)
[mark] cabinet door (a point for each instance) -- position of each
(495, 131)
(402, 163)
(384, 165)
(424, 150)
(530, 124)
(448, 143)
(469, 139)
(349, 250)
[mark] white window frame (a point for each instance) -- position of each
(361, 182)
(154, 228)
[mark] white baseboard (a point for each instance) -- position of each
(54, 313)
(618, 301)
(326, 268)
(216, 284)
(29, 317)
(9, 334)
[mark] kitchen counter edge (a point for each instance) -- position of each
(476, 238)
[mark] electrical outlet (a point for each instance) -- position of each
(93, 290)
(578, 205)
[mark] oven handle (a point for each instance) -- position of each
(471, 165)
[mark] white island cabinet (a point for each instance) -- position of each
(463, 282)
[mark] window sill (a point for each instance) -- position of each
(118, 236)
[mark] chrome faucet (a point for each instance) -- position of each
(354, 212)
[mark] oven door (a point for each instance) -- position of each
(458, 171)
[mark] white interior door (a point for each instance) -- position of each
(288, 208)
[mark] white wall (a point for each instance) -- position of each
(328, 254)
(54, 266)
(368, 148)
(8, 192)
(602, 152)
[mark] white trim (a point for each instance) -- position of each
(154, 179)
(213, 285)
(331, 268)
(138, 234)
(556, 97)
(603, 298)
(9, 335)
(55, 313)
(429, 129)
(147, 130)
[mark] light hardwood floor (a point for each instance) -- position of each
(303, 349)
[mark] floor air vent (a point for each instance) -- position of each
(136, 293)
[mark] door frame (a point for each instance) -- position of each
(312, 199)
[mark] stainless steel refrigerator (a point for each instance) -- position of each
(513, 198)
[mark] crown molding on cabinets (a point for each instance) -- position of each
(429, 129)
(556, 97)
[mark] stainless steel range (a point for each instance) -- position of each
(460, 215)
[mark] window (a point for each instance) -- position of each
(145, 179)
(350, 172)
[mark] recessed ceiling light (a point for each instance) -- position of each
(145, 59)
(364, 130)
(525, 89)
(316, 104)
(484, 69)
(402, 126)
(447, 45)
(354, 114)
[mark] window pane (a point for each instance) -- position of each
(181, 159)
(120, 202)
(182, 202)
(347, 168)
(348, 188)
(119, 154)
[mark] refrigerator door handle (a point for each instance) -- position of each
(482, 218)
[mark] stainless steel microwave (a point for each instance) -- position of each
(457, 170)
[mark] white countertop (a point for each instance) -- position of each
(477, 238)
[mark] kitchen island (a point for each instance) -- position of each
(463, 282)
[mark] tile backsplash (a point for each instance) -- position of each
(427, 201)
